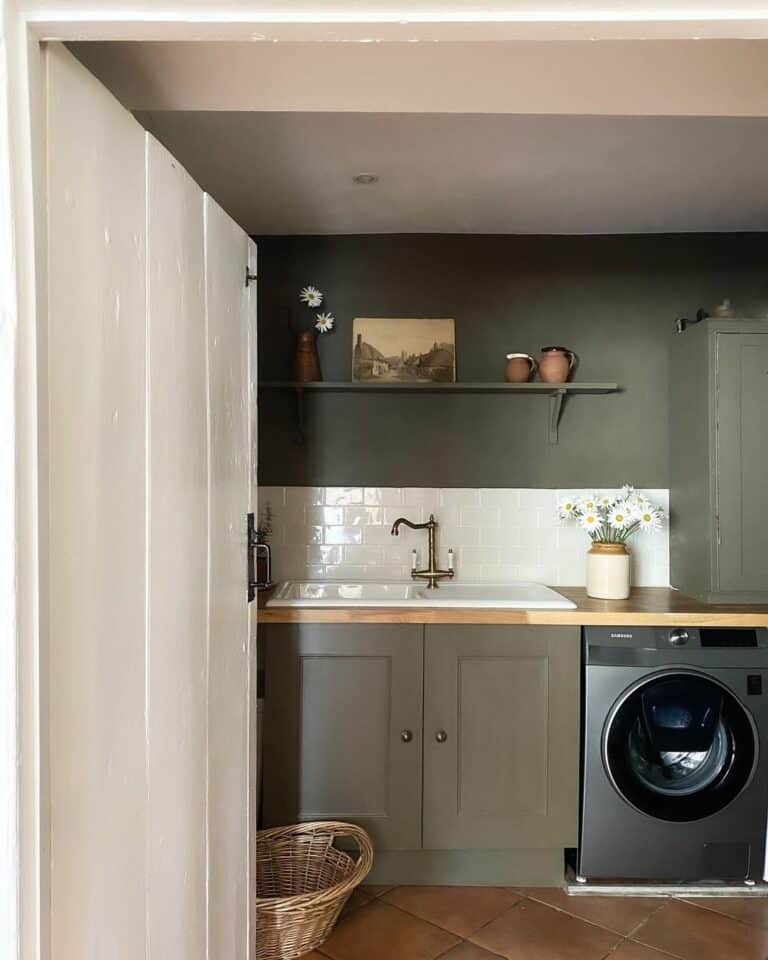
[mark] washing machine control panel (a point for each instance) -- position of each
(638, 645)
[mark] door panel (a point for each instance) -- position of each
(742, 460)
(226, 253)
(177, 641)
(149, 487)
(505, 774)
(493, 695)
(337, 701)
(97, 474)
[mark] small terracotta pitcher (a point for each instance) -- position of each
(556, 364)
(520, 367)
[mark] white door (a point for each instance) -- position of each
(150, 471)
(226, 256)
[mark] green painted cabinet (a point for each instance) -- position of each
(434, 739)
(719, 461)
(501, 737)
(342, 727)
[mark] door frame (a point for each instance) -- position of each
(23, 505)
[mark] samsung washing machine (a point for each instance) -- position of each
(675, 754)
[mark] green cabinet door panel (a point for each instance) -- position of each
(501, 737)
(742, 460)
(342, 727)
(719, 461)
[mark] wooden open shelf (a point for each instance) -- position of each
(555, 392)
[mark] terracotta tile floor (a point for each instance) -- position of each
(538, 923)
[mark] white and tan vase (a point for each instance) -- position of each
(608, 571)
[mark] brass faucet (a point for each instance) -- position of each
(432, 574)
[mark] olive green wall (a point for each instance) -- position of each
(611, 299)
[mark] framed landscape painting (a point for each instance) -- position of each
(403, 350)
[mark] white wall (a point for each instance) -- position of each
(149, 478)
(615, 78)
(497, 534)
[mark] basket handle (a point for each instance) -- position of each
(364, 846)
(334, 828)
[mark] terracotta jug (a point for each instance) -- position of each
(556, 364)
(306, 363)
(520, 367)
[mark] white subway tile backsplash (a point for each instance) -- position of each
(357, 516)
(480, 517)
(497, 534)
(341, 496)
(324, 515)
(420, 496)
(383, 496)
(302, 496)
(343, 535)
(298, 534)
(324, 554)
(362, 554)
(473, 555)
(381, 535)
(455, 536)
(499, 498)
(458, 497)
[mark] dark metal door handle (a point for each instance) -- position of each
(251, 556)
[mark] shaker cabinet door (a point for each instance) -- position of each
(742, 461)
(501, 737)
(342, 727)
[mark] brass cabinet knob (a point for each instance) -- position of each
(406, 736)
(441, 736)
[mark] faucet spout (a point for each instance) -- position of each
(414, 526)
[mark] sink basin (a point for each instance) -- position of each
(411, 593)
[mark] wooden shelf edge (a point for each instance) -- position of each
(546, 389)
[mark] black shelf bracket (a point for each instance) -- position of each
(556, 402)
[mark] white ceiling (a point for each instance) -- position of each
(291, 173)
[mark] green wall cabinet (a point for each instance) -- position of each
(434, 739)
(719, 461)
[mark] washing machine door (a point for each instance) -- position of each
(679, 746)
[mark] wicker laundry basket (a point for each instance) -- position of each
(302, 884)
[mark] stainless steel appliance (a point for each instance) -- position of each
(675, 764)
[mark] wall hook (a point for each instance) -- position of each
(248, 276)
(682, 322)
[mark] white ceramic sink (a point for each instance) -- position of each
(410, 593)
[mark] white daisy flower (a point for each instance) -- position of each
(324, 322)
(606, 500)
(649, 519)
(311, 296)
(626, 491)
(588, 502)
(590, 521)
(568, 508)
(620, 516)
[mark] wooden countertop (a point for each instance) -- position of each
(646, 606)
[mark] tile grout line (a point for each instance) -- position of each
(593, 923)
(407, 913)
(725, 916)
(505, 910)
(503, 913)
(638, 927)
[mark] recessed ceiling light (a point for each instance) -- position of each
(366, 178)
